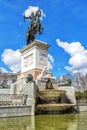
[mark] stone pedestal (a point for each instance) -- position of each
(34, 58)
(30, 90)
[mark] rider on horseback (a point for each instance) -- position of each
(34, 27)
(32, 19)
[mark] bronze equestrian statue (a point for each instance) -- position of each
(34, 27)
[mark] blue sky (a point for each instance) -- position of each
(65, 20)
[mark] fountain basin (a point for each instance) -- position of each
(54, 107)
(53, 100)
(50, 95)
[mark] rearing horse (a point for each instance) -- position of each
(35, 26)
(30, 34)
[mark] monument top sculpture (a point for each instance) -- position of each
(34, 26)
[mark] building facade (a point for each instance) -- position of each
(6, 79)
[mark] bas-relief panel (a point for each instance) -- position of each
(43, 58)
(28, 60)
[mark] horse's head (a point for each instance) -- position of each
(38, 13)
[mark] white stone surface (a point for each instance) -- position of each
(30, 90)
(35, 55)
(10, 111)
(70, 92)
(5, 91)
(82, 108)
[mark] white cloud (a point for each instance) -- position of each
(12, 59)
(71, 48)
(34, 9)
(2, 70)
(78, 56)
(50, 62)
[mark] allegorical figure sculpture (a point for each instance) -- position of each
(49, 84)
(34, 26)
(29, 78)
